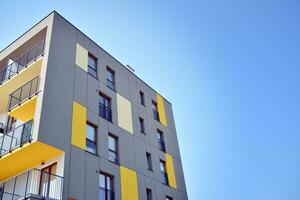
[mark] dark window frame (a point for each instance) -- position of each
(164, 172)
(116, 151)
(142, 125)
(142, 98)
(111, 83)
(161, 140)
(155, 111)
(96, 138)
(111, 177)
(90, 55)
(149, 161)
(149, 194)
(107, 113)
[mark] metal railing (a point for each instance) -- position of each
(22, 62)
(105, 112)
(155, 114)
(106, 194)
(164, 176)
(16, 138)
(24, 93)
(33, 184)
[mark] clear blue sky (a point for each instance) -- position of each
(230, 68)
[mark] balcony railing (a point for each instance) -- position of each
(22, 62)
(32, 185)
(105, 112)
(23, 93)
(106, 194)
(16, 138)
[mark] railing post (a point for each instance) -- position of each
(2, 145)
(27, 178)
(13, 133)
(13, 194)
(20, 95)
(30, 89)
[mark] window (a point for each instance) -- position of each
(164, 175)
(149, 161)
(91, 138)
(161, 140)
(142, 125)
(46, 182)
(142, 98)
(169, 198)
(149, 194)
(92, 65)
(106, 187)
(155, 111)
(105, 107)
(113, 148)
(110, 78)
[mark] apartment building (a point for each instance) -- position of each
(77, 124)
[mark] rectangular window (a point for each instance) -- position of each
(92, 65)
(113, 148)
(46, 182)
(106, 191)
(164, 175)
(142, 98)
(149, 194)
(155, 111)
(91, 138)
(169, 198)
(110, 78)
(142, 125)
(149, 161)
(105, 107)
(161, 140)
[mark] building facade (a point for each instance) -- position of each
(77, 124)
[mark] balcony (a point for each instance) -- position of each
(22, 62)
(32, 185)
(22, 101)
(15, 138)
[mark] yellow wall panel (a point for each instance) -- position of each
(124, 113)
(79, 125)
(129, 186)
(81, 57)
(161, 109)
(171, 171)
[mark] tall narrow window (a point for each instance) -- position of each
(92, 65)
(149, 194)
(161, 140)
(142, 125)
(106, 191)
(142, 98)
(155, 111)
(113, 148)
(164, 175)
(149, 161)
(169, 198)
(91, 138)
(46, 180)
(110, 78)
(105, 107)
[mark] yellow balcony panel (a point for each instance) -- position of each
(33, 70)
(26, 157)
(25, 111)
